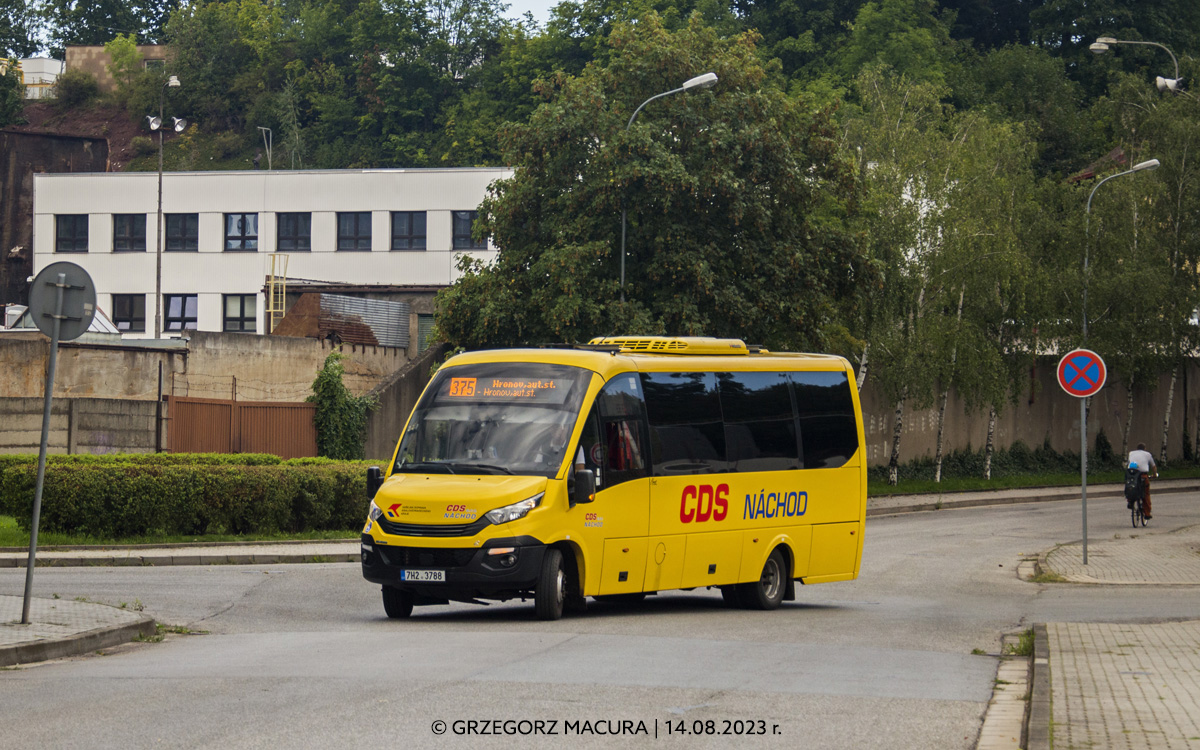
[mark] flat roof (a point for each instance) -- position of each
(280, 172)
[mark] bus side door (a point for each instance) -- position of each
(621, 512)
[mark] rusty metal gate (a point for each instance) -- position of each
(207, 425)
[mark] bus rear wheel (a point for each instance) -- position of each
(551, 590)
(397, 603)
(767, 592)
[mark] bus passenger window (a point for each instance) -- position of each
(686, 432)
(828, 430)
(760, 428)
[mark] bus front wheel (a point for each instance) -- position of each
(551, 590)
(767, 592)
(398, 604)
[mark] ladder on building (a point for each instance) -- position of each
(276, 290)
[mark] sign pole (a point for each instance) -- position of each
(1082, 373)
(1083, 468)
(41, 474)
(62, 302)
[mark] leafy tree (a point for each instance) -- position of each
(341, 417)
(1028, 85)
(945, 190)
(89, 22)
(1068, 27)
(801, 34)
(1146, 234)
(18, 28)
(737, 203)
(991, 23)
(12, 96)
(125, 62)
(910, 36)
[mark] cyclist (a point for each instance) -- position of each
(1145, 463)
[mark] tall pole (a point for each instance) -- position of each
(158, 224)
(699, 82)
(1087, 223)
(41, 474)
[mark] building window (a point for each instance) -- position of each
(155, 64)
(129, 233)
(180, 312)
(129, 312)
(71, 233)
(408, 230)
(241, 232)
(239, 313)
(354, 230)
(294, 233)
(183, 232)
(463, 221)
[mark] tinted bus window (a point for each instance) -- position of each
(686, 433)
(828, 434)
(760, 429)
(622, 453)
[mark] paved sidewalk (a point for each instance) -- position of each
(58, 628)
(1124, 686)
(1147, 555)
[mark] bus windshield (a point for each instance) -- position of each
(494, 418)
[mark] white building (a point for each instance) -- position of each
(39, 74)
(353, 227)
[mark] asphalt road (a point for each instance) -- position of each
(302, 655)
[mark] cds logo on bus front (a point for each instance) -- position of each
(460, 512)
(700, 503)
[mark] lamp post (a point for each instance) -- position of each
(156, 124)
(1100, 46)
(1140, 167)
(699, 82)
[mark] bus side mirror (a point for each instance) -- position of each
(584, 490)
(374, 481)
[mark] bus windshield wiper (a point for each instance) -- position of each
(467, 467)
(438, 467)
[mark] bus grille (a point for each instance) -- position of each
(440, 530)
(426, 557)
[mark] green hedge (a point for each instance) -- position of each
(1018, 459)
(113, 497)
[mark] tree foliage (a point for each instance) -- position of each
(736, 199)
(12, 96)
(341, 417)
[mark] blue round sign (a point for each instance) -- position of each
(1082, 373)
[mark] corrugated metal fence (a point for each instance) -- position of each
(205, 425)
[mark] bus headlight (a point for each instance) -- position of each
(516, 510)
(373, 511)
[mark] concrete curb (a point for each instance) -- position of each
(74, 645)
(180, 545)
(1037, 732)
(49, 561)
(986, 501)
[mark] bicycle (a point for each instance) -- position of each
(1137, 514)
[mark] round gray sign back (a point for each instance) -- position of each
(79, 300)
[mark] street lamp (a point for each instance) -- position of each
(704, 81)
(1100, 46)
(156, 124)
(1139, 167)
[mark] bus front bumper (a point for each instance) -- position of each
(466, 573)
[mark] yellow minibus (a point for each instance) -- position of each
(620, 468)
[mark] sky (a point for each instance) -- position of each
(539, 8)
